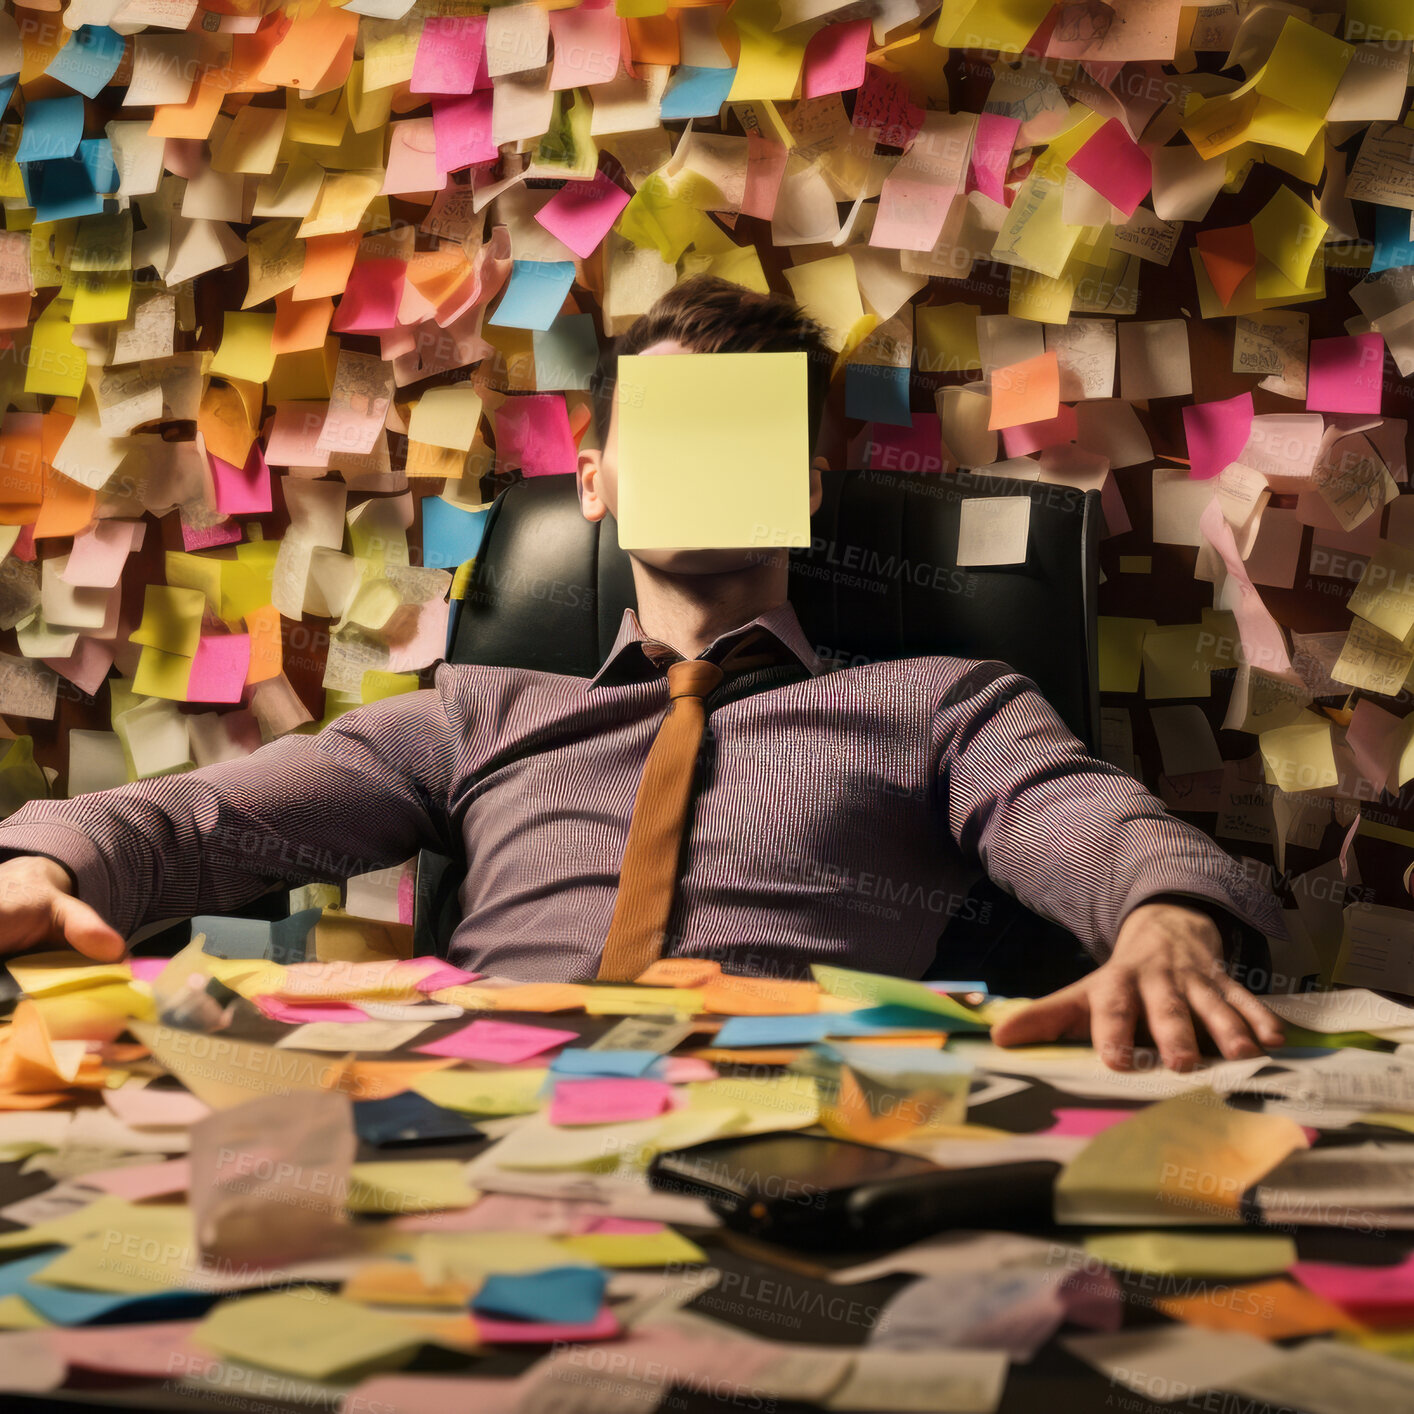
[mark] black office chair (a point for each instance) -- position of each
(879, 581)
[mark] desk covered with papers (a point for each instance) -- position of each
(389, 1185)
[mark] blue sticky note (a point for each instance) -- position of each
(96, 154)
(697, 93)
(604, 1063)
(877, 394)
(566, 354)
(775, 1030)
(7, 89)
(534, 294)
(67, 1307)
(409, 1118)
(1393, 246)
(450, 535)
(52, 128)
(913, 1060)
(554, 1296)
(875, 1020)
(88, 61)
(60, 190)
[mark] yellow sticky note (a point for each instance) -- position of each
(46, 974)
(1385, 594)
(246, 350)
(946, 338)
(488, 1092)
(1121, 652)
(1005, 25)
(770, 59)
(639, 1249)
(1301, 756)
(828, 291)
(1289, 233)
(161, 674)
(171, 619)
(56, 364)
(640, 1001)
(16, 1314)
(408, 1187)
(1182, 1254)
(446, 417)
(1173, 666)
(102, 296)
(763, 1103)
(377, 684)
(713, 451)
(304, 1331)
(1304, 68)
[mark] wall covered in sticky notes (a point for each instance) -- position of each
(287, 292)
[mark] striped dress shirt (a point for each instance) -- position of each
(840, 815)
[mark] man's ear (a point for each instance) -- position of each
(587, 469)
(817, 490)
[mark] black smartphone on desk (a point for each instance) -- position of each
(806, 1190)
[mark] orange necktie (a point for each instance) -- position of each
(649, 873)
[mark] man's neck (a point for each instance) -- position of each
(689, 612)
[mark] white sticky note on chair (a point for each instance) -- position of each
(993, 530)
(713, 451)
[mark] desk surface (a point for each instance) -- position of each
(768, 1293)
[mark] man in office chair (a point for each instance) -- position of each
(714, 791)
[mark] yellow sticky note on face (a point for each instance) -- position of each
(713, 451)
(305, 1331)
(246, 349)
(171, 619)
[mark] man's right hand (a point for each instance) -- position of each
(37, 905)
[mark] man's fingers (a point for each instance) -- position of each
(1062, 1014)
(1170, 1022)
(1266, 1026)
(1114, 1013)
(1227, 1026)
(83, 928)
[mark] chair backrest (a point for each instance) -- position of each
(879, 581)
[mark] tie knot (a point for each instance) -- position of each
(692, 677)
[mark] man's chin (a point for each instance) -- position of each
(705, 562)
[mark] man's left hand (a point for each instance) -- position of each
(1167, 965)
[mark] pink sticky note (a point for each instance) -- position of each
(242, 490)
(148, 1107)
(679, 1070)
(580, 213)
(608, 1101)
(1346, 374)
(138, 1182)
(1217, 433)
(293, 435)
(1115, 166)
(603, 1327)
(1085, 1124)
(834, 58)
(587, 41)
(218, 672)
(1028, 437)
(438, 973)
(144, 969)
(918, 448)
(506, 1042)
(87, 666)
(616, 1227)
(1364, 1287)
(991, 154)
(462, 128)
(882, 102)
(765, 166)
(451, 55)
(226, 532)
(412, 158)
(533, 433)
(152, 1350)
(370, 300)
(301, 1013)
(101, 551)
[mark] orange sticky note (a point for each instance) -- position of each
(300, 324)
(1028, 391)
(1270, 1310)
(327, 263)
(67, 508)
(654, 39)
(14, 310)
(223, 422)
(1229, 255)
(266, 648)
(194, 118)
(309, 48)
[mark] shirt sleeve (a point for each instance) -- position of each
(1071, 836)
(365, 792)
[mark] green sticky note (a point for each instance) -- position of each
(1194, 1255)
(713, 451)
(874, 989)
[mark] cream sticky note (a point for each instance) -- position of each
(713, 451)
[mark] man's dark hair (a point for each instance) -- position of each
(710, 315)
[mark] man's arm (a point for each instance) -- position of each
(1082, 842)
(367, 791)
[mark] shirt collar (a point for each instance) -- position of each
(636, 655)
